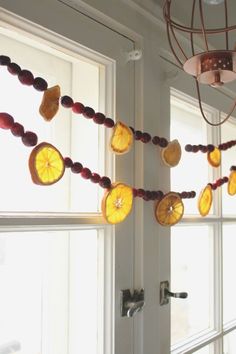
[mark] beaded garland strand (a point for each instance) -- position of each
(39, 84)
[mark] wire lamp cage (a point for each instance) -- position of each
(210, 67)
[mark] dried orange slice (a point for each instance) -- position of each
(50, 102)
(214, 157)
(171, 154)
(122, 138)
(117, 203)
(46, 164)
(205, 200)
(232, 183)
(169, 210)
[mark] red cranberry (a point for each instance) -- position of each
(159, 195)
(99, 118)
(210, 147)
(233, 168)
(204, 149)
(105, 182)
(68, 162)
(184, 195)
(29, 139)
(188, 148)
(95, 178)
(140, 192)
(78, 108)
(76, 167)
(13, 68)
(67, 102)
(145, 138)
(135, 192)
(225, 179)
(40, 84)
(163, 142)
(17, 129)
(195, 148)
(214, 186)
(138, 135)
(147, 196)
(26, 77)
(4, 60)
(109, 123)
(153, 195)
(86, 173)
(88, 112)
(193, 194)
(156, 140)
(6, 121)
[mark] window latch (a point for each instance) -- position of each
(131, 303)
(165, 293)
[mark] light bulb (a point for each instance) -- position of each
(213, 2)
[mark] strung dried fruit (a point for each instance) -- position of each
(122, 138)
(169, 210)
(205, 200)
(46, 164)
(171, 154)
(232, 183)
(214, 157)
(50, 102)
(117, 203)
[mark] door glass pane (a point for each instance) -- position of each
(187, 126)
(228, 132)
(191, 271)
(48, 292)
(71, 133)
(230, 343)
(229, 264)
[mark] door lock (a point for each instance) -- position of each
(165, 293)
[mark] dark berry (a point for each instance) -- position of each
(6, 121)
(66, 101)
(153, 195)
(29, 139)
(184, 195)
(145, 138)
(214, 186)
(4, 60)
(13, 68)
(220, 147)
(163, 142)
(137, 135)
(40, 84)
(99, 118)
(26, 77)
(156, 140)
(188, 148)
(78, 108)
(17, 129)
(68, 162)
(105, 182)
(135, 192)
(219, 182)
(86, 173)
(193, 194)
(224, 146)
(95, 178)
(140, 192)
(109, 123)
(88, 112)
(225, 179)
(76, 167)
(159, 194)
(148, 195)
(210, 147)
(233, 168)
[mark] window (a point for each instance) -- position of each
(202, 256)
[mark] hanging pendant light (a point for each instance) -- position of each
(211, 67)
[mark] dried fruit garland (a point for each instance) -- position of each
(47, 166)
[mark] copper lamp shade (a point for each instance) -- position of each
(211, 67)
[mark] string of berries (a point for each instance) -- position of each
(209, 147)
(218, 183)
(158, 195)
(27, 78)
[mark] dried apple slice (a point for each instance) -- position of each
(117, 203)
(205, 200)
(232, 183)
(122, 138)
(214, 157)
(46, 164)
(171, 154)
(50, 103)
(169, 210)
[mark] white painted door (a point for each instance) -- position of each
(56, 21)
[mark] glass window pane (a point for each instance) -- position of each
(229, 264)
(72, 134)
(205, 350)
(191, 271)
(187, 126)
(47, 279)
(230, 343)
(228, 132)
